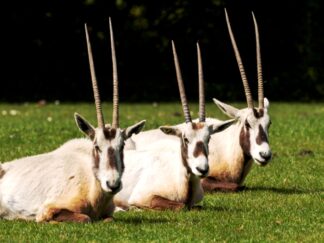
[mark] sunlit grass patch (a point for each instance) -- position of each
(283, 202)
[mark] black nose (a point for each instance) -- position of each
(114, 187)
(203, 172)
(266, 156)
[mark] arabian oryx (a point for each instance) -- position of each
(231, 151)
(167, 175)
(77, 181)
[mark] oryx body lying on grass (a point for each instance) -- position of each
(167, 174)
(75, 182)
(232, 151)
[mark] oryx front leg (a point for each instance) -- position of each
(59, 214)
(68, 216)
(209, 184)
(161, 203)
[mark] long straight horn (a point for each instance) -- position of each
(259, 64)
(202, 112)
(183, 98)
(96, 95)
(115, 118)
(248, 94)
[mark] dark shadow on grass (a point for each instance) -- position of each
(286, 191)
(222, 209)
(139, 220)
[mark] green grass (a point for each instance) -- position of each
(284, 201)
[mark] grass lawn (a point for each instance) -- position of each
(284, 201)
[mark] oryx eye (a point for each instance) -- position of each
(120, 146)
(247, 124)
(97, 148)
(186, 141)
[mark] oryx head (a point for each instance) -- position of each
(194, 136)
(108, 140)
(255, 121)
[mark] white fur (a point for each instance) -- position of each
(157, 169)
(37, 187)
(31, 185)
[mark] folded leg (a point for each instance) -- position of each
(211, 185)
(161, 203)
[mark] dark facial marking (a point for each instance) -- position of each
(184, 155)
(110, 133)
(200, 149)
(111, 158)
(197, 126)
(245, 141)
(247, 124)
(121, 154)
(95, 156)
(258, 113)
(262, 136)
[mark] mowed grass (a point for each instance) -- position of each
(284, 201)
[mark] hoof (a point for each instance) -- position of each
(197, 208)
(109, 219)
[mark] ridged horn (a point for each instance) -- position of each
(96, 95)
(259, 65)
(115, 117)
(202, 110)
(247, 90)
(183, 97)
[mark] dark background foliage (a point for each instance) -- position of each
(44, 50)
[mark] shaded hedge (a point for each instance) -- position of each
(44, 51)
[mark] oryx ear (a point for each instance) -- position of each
(214, 128)
(228, 110)
(84, 126)
(134, 129)
(266, 103)
(171, 130)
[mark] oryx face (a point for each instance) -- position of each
(107, 152)
(108, 164)
(194, 144)
(194, 148)
(254, 128)
(254, 134)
